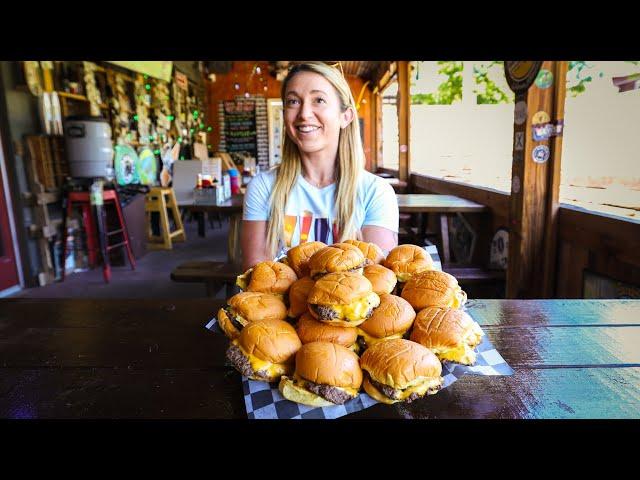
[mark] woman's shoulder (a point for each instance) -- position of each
(264, 180)
(370, 182)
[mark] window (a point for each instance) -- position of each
(600, 167)
(462, 122)
(390, 140)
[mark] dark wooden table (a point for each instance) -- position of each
(154, 359)
(233, 208)
(445, 206)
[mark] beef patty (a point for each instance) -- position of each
(242, 364)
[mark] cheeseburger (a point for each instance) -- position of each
(400, 370)
(311, 330)
(392, 319)
(433, 288)
(449, 333)
(407, 260)
(339, 257)
(382, 279)
(345, 299)
(298, 294)
(265, 350)
(246, 307)
(371, 251)
(326, 374)
(298, 257)
(267, 277)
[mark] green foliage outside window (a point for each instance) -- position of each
(448, 92)
(489, 92)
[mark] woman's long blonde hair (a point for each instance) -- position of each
(351, 162)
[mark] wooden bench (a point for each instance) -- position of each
(479, 282)
(214, 275)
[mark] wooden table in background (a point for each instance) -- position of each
(233, 208)
(445, 205)
(153, 358)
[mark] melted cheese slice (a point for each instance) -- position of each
(357, 310)
(420, 388)
(403, 277)
(272, 369)
(369, 340)
(242, 281)
(463, 353)
(301, 382)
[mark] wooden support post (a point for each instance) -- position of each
(549, 272)
(404, 105)
(535, 183)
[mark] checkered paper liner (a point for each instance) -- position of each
(264, 401)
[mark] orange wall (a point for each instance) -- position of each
(222, 89)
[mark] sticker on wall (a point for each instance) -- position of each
(499, 249)
(515, 184)
(520, 115)
(540, 117)
(540, 154)
(519, 141)
(544, 79)
(545, 131)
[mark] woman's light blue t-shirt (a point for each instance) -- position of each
(310, 213)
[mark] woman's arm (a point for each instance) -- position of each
(253, 241)
(383, 237)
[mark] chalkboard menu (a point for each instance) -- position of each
(240, 129)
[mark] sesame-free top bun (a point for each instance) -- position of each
(399, 362)
(382, 279)
(298, 294)
(311, 330)
(339, 289)
(394, 316)
(339, 257)
(329, 364)
(273, 341)
(406, 260)
(450, 333)
(371, 251)
(258, 306)
(271, 277)
(432, 288)
(299, 256)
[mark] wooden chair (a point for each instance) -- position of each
(160, 199)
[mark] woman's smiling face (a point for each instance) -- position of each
(313, 113)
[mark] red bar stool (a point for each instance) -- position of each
(91, 230)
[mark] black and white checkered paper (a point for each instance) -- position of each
(264, 401)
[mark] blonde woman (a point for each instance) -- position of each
(321, 190)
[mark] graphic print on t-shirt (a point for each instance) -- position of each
(290, 222)
(305, 226)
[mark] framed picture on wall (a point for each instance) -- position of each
(276, 126)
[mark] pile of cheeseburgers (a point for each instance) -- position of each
(328, 320)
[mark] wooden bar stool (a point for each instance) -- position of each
(159, 200)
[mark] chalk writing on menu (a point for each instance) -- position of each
(240, 126)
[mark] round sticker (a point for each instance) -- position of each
(515, 185)
(520, 115)
(403, 148)
(540, 117)
(544, 79)
(540, 154)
